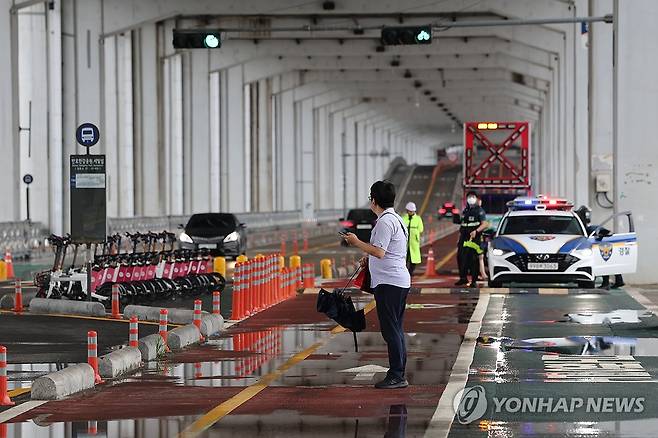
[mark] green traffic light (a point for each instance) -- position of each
(423, 35)
(211, 41)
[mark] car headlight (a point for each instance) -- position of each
(185, 238)
(234, 236)
(497, 252)
(583, 253)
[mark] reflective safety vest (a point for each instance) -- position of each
(415, 227)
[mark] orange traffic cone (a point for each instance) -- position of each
(10, 265)
(430, 271)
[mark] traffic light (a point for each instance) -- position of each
(196, 39)
(392, 36)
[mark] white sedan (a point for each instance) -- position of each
(541, 240)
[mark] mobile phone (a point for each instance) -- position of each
(342, 233)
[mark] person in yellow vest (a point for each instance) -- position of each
(414, 224)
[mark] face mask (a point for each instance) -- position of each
(472, 200)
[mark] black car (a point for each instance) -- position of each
(360, 222)
(221, 233)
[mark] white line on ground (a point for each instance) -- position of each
(640, 298)
(20, 410)
(441, 421)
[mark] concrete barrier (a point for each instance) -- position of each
(67, 307)
(119, 362)
(152, 313)
(7, 300)
(70, 380)
(182, 337)
(211, 324)
(150, 346)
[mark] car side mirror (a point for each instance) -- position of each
(181, 226)
(600, 233)
(243, 225)
(456, 219)
(341, 219)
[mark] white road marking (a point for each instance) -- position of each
(444, 414)
(640, 298)
(16, 411)
(365, 372)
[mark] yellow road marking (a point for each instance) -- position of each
(223, 409)
(93, 318)
(426, 201)
(445, 259)
(18, 391)
(319, 247)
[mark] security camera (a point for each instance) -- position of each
(328, 6)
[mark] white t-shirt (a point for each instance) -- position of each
(389, 234)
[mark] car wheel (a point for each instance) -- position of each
(586, 284)
(494, 284)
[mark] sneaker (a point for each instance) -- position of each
(392, 383)
(473, 285)
(618, 285)
(461, 282)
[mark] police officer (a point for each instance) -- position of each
(414, 225)
(473, 222)
(585, 215)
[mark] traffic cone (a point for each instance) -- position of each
(430, 271)
(10, 265)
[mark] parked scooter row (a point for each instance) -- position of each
(151, 268)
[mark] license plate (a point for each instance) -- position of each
(364, 227)
(542, 266)
(207, 245)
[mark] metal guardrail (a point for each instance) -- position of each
(23, 239)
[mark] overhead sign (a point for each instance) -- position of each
(87, 134)
(497, 154)
(27, 179)
(88, 201)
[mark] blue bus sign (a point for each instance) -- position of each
(87, 134)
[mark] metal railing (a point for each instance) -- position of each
(23, 239)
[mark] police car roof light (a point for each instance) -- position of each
(540, 203)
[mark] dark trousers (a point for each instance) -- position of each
(411, 267)
(391, 301)
(467, 261)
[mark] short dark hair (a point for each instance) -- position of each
(472, 193)
(383, 193)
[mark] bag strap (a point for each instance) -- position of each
(404, 229)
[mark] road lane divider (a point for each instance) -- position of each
(206, 421)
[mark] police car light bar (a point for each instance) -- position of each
(539, 203)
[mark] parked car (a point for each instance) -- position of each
(359, 221)
(220, 233)
(448, 210)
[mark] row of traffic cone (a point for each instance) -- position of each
(7, 267)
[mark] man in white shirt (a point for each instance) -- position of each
(389, 278)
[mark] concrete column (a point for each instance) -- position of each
(287, 183)
(264, 145)
(600, 108)
(56, 162)
(200, 120)
(581, 64)
(147, 145)
(351, 177)
(305, 152)
(635, 111)
(9, 178)
(235, 174)
(33, 88)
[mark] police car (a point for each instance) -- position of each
(541, 240)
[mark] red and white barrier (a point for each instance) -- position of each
(4, 396)
(163, 325)
(116, 312)
(133, 340)
(216, 303)
(92, 355)
(18, 296)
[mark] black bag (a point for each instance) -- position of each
(339, 307)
